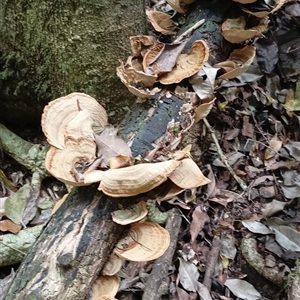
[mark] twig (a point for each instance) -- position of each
(223, 158)
(189, 31)
(211, 262)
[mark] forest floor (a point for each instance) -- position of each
(244, 226)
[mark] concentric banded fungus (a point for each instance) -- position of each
(262, 14)
(134, 180)
(113, 265)
(188, 175)
(234, 30)
(144, 242)
(241, 59)
(60, 112)
(161, 22)
(130, 215)
(105, 286)
(64, 164)
(187, 63)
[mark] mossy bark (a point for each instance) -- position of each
(51, 48)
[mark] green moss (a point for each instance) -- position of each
(53, 48)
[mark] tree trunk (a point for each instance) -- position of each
(52, 48)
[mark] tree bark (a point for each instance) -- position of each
(52, 48)
(71, 251)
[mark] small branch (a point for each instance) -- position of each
(188, 32)
(223, 158)
(157, 280)
(211, 262)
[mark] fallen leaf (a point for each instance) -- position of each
(273, 207)
(203, 292)
(274, 146)
(242, 289)
(203, 110)
(256, 227)
(203, 82)
(199, 218)
(8, 225)
(188, 275)
(228, 248)
(110, 145)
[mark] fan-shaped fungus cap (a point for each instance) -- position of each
(161, 22)
(234, 30)
(130, 215)
(105, 287)
(60, 112)
(242, 59)
(187, 64)
(262, 14)
(144, 242)
(64, 163)
(137, 179)
(188, 175)
(113, 265)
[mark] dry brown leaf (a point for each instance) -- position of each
(248, 129)
(161, 22)
(144, 242)
(110, 145)
(274, 146)
(8, 225)
(241, 59)
(166, 59)
(188, 63)
(199, 218)
(203, 110)
(175, 4)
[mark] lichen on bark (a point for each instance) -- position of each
(51, 48)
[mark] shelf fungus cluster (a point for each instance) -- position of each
(154, 62)
(260, 9)
(71, 125)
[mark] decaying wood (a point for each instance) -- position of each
(157, 284)
(71, 251)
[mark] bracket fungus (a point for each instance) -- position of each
(68, 124)
(188, 63)
(137, 179)
(238, 62)
(60, 112)
(144, 242)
